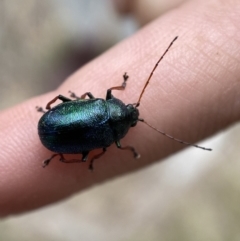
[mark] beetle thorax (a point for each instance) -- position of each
(121, 117)
(126, 115)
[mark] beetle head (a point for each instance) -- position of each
(133, 113)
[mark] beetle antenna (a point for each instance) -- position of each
(151, 74)
(173, 138)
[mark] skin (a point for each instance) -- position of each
(194, 93)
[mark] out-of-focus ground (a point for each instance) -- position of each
(193, 195)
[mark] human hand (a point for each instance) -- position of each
(193, 94)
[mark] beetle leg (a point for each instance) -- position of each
(62, 159)
(46, 162)
(96, 157)
(130, 148)
(85, 156)
(89, 94)
(59, 97)
(40, 109)
(122, 87)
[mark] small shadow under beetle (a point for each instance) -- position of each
(81, 125)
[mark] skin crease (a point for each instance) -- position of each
(193, 94)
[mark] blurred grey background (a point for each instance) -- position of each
(193, 195)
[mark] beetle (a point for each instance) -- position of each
(81, 125)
